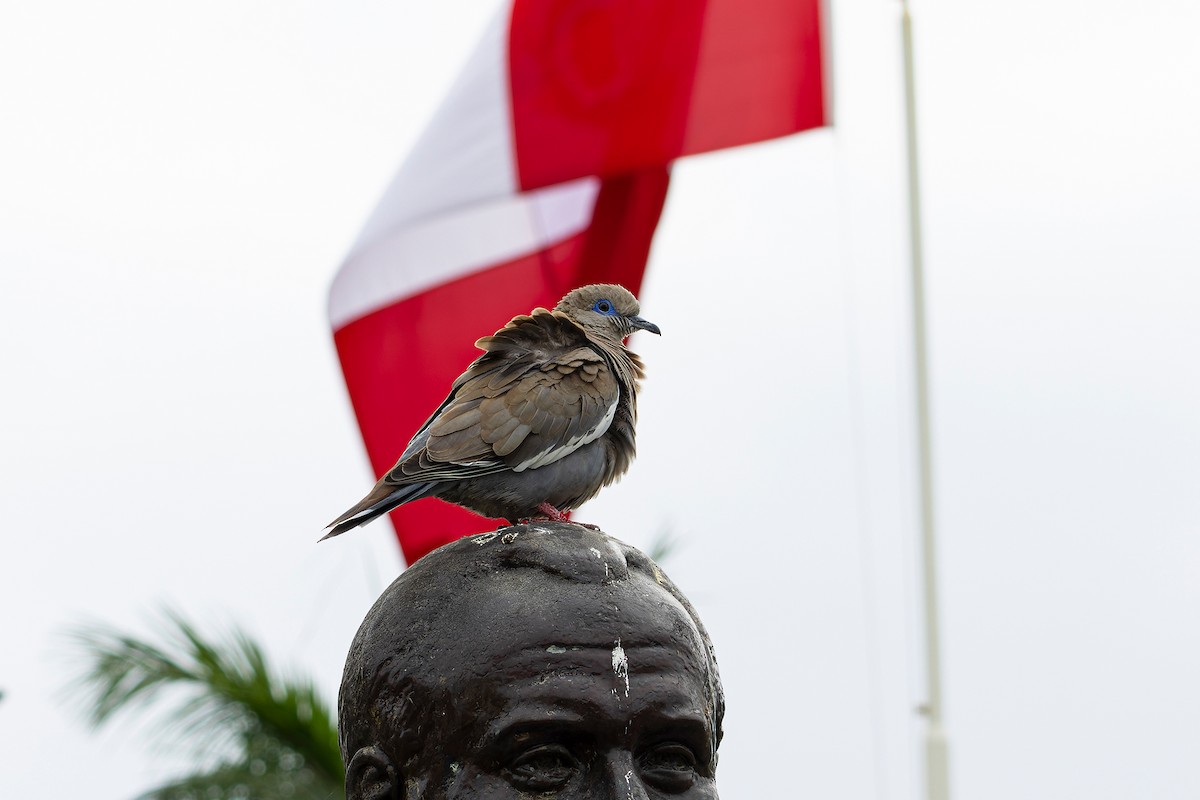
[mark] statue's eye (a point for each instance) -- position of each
(669, 766)
(544, 768)
(603, 307)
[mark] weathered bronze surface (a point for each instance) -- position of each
(543, 660)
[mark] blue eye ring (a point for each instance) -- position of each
(604, 307)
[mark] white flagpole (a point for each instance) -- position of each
(936, 762)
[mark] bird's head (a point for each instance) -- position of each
(606, 309)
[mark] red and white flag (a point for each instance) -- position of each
(546, 168)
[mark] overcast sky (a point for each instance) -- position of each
(179, 183)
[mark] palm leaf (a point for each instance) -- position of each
(267, 773)
(251, 728)
(663, 545)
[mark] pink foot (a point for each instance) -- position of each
(549, 512)
(552, 513)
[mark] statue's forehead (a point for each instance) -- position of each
(623, 688)
(526, 595)
(591, 685)
(508, 630)
(524, 611)
(617, 657)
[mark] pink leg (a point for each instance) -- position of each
(553, 513)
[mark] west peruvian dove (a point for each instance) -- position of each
(536, 426)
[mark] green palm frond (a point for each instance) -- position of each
(258, 729)
(665, 543)
(268, 772)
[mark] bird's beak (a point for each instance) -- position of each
(644, 325)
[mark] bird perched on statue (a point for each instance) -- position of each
(536, 426)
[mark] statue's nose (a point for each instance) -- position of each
(620, 778)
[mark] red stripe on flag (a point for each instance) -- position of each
(759, 75)
(617, 243)
(601, 87)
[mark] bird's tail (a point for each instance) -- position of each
(380, 501)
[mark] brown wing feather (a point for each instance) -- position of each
(565, 405)
(539, 385)
(535, 413)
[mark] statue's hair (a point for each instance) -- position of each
(389, 693)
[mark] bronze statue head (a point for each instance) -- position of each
(543, 658)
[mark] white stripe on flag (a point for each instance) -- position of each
(425, 254)
(464, 156)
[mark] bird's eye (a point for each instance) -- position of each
(603, 307)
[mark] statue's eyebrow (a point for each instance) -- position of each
(532, 722)
(537, 716)
(580, 713)
(683, 717)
